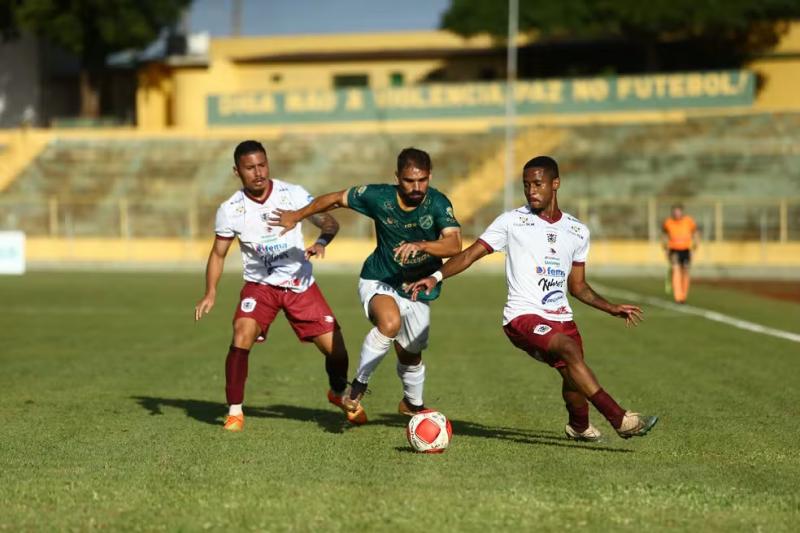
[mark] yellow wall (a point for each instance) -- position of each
(779, 71)
(353, 251)
(175, 96)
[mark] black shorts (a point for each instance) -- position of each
(681, 257)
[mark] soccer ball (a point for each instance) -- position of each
(429, 431)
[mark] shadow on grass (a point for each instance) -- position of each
(332, 421)
(522, 436)
(213, 413)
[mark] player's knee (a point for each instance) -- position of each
(408, 358)
(389, 326)
(244, 335)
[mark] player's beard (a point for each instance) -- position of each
(412, 199)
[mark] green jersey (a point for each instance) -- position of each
(394, 226)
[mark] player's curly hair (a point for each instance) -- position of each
(247, 147)
(413, 157)
(548, 164)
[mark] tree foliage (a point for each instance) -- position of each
(591, 18)
(92, 29)
(734, 26)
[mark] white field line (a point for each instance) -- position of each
(698, 311)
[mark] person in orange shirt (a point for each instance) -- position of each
(680, 239)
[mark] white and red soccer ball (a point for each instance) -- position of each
(429, 431)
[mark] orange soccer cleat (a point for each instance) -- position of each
(234, 423)
(352, 408)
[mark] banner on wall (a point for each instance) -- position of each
(465, 100)
(12, 252)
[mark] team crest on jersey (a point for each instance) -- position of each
(388, 205)
(247, 305)
(426, 221)
(551, 238)
(542, 329)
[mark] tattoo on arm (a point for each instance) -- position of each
(327, 224)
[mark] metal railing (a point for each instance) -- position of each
(721, 219)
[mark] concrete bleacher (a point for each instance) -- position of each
(170, 187)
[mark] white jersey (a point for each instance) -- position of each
(539, 258)
(267, 257)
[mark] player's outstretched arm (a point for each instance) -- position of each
(447, 245)
(289, 219)
(457, 264)
(216, 262)
(329, 227)
(580, 289)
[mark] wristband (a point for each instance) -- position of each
(437, 276)
(322, 241)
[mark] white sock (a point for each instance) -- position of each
(235, 409)
(413, 377)
(376, 346)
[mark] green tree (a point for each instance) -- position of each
(93, 29)
(736, 27)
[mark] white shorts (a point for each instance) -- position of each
(415, 316)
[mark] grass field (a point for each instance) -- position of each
(112, 401)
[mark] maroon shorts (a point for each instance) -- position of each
(308, 312)
(532, 334)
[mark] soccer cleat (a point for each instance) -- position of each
(408, 409)
(636, 425)
(590, 434)
(352, 408)
(234, 423)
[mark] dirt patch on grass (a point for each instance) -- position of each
(777, 289)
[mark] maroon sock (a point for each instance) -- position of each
(610, 409)
(235, 374)
(337, 373)
(579, 417)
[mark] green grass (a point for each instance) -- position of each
(112, 401)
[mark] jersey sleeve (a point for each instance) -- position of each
(582, 251)
(444, 216)
(496, 235)
(361, 199)
(222, 227)
(301, 197)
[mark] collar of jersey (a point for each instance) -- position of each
(549, 220)
(250, 196)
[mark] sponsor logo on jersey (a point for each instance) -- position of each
(552, 261)
(542, 329)
(550, 271)
(449, 212)
(553, 296)
(390, 221)
(247, 305)
(524, 220)
(328, 319)
(426, 221)
(546, 283)
(576, 230)
(551, 238)
(560, 311)
(361, 190)
(268, 250)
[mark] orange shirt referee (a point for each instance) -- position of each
(680, 238)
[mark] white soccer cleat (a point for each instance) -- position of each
(636, 425)
(590, 434)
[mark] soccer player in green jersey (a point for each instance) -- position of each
(415, 229)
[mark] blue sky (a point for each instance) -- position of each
(284, 17)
